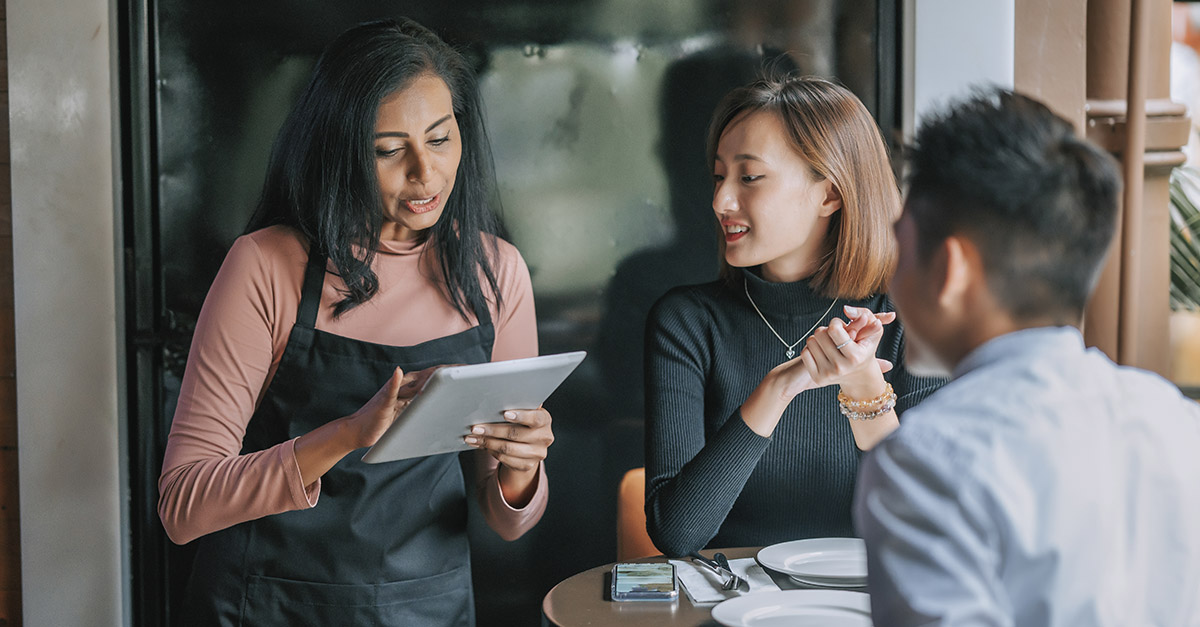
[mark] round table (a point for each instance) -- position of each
(583, 599)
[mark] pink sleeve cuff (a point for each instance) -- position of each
(302, 497)
(539, 494)
(508, 521)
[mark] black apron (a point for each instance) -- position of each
(386, 543)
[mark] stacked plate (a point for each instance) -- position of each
(819, 562)
(796, 608)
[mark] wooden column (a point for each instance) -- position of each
(1128, 315)
(1074, 56)
(1050, 55)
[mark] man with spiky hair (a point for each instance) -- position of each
(1044, 484)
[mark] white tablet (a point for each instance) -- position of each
(457, 397)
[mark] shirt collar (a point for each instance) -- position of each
(1026, 344)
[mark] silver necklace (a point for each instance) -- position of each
(791, 348)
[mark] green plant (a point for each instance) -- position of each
(1185, 239)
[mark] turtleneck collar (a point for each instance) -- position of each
(792, 298)
(402, 247)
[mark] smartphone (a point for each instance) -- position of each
(650, 581)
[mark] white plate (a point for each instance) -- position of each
(829, 583)
(822, 559)
(796, 608)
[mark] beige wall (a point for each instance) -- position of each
(10, 537)
(65, 315)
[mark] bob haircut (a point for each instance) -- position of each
(834, 133)
(321, 178)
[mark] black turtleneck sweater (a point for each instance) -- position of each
(710, 480)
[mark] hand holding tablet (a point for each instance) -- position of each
(456, 398)
(380, 412)
(520, 442)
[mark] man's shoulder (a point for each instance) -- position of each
(963, 423)
(994, 416)
(942, 431)
(1143, 382)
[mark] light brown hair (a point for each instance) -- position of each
(835, 134)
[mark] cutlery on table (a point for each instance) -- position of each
(739, 583)
(729, 580)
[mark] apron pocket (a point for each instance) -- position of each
(442, 599)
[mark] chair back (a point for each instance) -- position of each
(633, 541)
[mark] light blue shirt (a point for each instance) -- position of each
(1044, 485)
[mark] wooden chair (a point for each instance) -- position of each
(632, 540)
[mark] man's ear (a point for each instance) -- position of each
(963, 269)
(832, 202)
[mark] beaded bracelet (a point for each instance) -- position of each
(881, 404)
(887, 406)
(845, 401)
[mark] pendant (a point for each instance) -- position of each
(791, 353)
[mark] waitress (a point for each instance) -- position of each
(373, 257)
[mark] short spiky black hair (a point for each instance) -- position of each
(1039, 201)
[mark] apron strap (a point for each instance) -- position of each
(310, 294)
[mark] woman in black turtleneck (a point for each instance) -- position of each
(759, 396)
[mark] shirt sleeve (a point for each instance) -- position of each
(928, 535)
(516, 338)
(205, 484)
(692, 481)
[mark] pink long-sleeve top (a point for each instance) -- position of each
(206, 485)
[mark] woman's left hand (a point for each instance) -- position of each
(520, 442)
(844, 353)
(520, 445)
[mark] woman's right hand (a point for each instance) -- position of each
(799, 374)
(320, 449)
(790, 378)
(763, 409)
(844, 353)
(369, 423)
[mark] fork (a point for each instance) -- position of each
(729, 579)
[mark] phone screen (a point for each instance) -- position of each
(643, 581)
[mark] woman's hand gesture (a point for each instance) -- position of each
(840, 353)
(792, 377)
(844, 354)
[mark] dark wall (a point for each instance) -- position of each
(597, 112)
